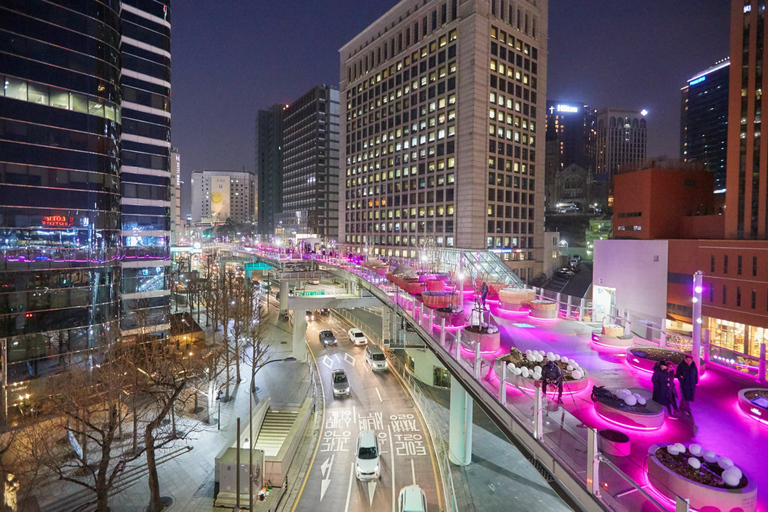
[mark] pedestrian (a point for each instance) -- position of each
(484, 293)
(688, 375)
(551, 375)
(664, 388)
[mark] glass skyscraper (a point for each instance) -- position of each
(84, 176)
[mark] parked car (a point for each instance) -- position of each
(565, 272)
(367, 456)
(376, 358)
(357, 337)
(339, 383)
(412, 499)
(327, 338)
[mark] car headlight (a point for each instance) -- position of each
(376, 469)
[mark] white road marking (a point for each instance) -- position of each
(354, 415)
(413, 472)
(371, 491)
(349, 490)
(377, 392)
(337, 358)
(349, 358)
(325, 469)
(328, 362)
(392, 463)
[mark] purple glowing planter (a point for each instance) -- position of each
(671, 484)
(636, 417)
(435, 285)
(644, 358)
(436, 299)
(489, 341)
(754, 403)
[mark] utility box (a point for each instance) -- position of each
(227, 465)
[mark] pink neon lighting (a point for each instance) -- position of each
(624, 425)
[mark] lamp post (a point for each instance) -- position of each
(218, 399)
(254, 389)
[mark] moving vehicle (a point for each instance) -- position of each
(412, 499)
(339, 383)
(565, 272)
(327, 338)
(375, 358)
(314, 281)
(367, 456)
(310, 316)
(357, 337)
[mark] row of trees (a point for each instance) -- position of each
(111, 412)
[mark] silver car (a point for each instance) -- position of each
(340, 383)
(327, 338)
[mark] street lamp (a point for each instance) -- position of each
(218, 399)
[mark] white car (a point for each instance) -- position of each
(357, 337)
(367, 456)
(412, 499)
(314, 281)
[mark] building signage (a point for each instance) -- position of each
(697, 80)
(58, 221)
(312, 294)
(567, 109)
(220, 197)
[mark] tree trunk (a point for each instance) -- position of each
(237, 359)
(155, 500)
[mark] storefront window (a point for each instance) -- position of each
(731, 340)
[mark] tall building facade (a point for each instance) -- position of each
(747, 180)
(176, 224)
(146, 166)
(622, 138)
(221, 195)
(570, 140)
(704, 121)
(442, 106)
(311, 165)
(269, 167)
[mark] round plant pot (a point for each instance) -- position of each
(515, 299)
(701, 496)
(390, 277)
(488, 342)
(438, 300)
(435, 285)
(613, 330)
(413, 287)
(452, 319)
(754, 403)
(570, 386)
(612, 344)
(495, 288)
(645, 358)
(543, 309)
(648, 417)
(614, 442)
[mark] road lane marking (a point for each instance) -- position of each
(327, 361)
(348, 358)
(325, 470)
(413, 472)
(337, 358)
(349, 490)
(377, 392)
(354, 415)
(392, 463)
(371, 491)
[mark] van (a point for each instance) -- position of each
(375, 358)
(412, 499)
(367, 465)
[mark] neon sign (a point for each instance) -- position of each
(58, 220)
(567, 108)
(698, 80)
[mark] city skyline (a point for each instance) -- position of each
(228, 142)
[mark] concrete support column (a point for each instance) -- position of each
(460, 439)
(299, 335)
(387, 328)
(283, 297)
(698, 288)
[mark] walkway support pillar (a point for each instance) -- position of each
(283, 296)
(299, 335)
(460, 438)
(698, 288)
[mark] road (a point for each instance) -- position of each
(377, 402)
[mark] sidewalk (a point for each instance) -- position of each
(187, 470)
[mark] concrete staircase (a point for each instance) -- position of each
(275, 429)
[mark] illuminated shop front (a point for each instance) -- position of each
(734, 344)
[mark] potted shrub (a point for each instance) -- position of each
(436, 299)
(524, 369)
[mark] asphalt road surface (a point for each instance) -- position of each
(378, 402)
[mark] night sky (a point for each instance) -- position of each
(231, 58)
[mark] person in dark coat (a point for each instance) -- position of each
(551, 375)
(484, 293)
(688, 375)
(664, 387)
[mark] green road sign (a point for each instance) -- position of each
(312, 294)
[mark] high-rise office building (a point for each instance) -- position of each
(442, 106)
(747, 179)
(221, 195)
(146, 165)
(622, 138)
(570, 140)
(311, 165)
(269, 167)
(704, 121)
(176, 224)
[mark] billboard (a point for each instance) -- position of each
(220, 206)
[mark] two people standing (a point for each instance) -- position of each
(664, 391)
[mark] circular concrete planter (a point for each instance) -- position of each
(701, 496)
(515, 299)
(644, 358)
(751, 404)
(495, 288)
(543, 309)
(648, 417)
(570, 386)
(489, 342)
(612, 344)
(435, 285)
(452, 319)
(614, 442)
(412, 285)
(613, 330)
(436, 299)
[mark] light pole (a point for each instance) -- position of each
(218, 399)
(254, 390)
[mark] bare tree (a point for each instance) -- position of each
(210, 378)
